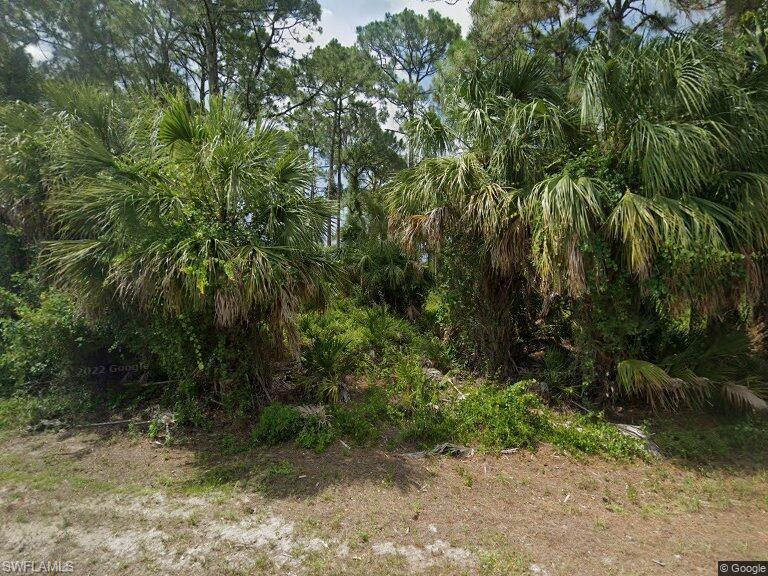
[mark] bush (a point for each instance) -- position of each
(386, 274)
(317, 433)
(326, 361)
(44, 344)
(15, 412)
(358, 422)
(281, 423)
(509, 417)
(12, 255)
(9, 303)
(590, 434)
(414, 402)
(68, 403)
(706, 439)
(278, 423)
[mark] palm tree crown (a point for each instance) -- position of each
(199, 212)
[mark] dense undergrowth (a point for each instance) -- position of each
(370, 378)
(407, 391)
(366, 376)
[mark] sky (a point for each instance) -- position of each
(342, 17)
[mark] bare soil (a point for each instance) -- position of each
(121, 504)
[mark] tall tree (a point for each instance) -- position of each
(408, 47)
(338, 75)
(238, 47)
(79, 38)
(557, 24)
(244, 47)
(19, 79)
(549, 26)
(731, 11)
(640, 197)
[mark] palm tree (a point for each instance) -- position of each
(199, 217)
(647, 178)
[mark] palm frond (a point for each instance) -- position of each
(741, 396)
(644, 379)
(178, 124)
(564, 211)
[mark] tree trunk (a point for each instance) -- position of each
(409, 153)
(338, 180)
(313, 183)
(615, 22)
(203, 80)
(331, 172)
(212, 47)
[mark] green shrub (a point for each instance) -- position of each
(12, 255)
(590, 434)
(278, 423)
(386, 274)
(326, 361)
(65, 402)
(44, 344)
(415, 403)
(383, 329)
(433, 349)
(187, 406)
(9, 303)
(15, 412)
(499, 418)
(358, 424)
(707, 439)
(317, 433)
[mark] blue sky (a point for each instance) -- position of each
(342, 17)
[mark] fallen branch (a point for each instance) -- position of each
(443, 450)
(637, 432)
(113, 423)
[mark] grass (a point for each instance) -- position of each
(706, 440)
(652, 494)
(488, 417)
(51, 474)
(15, 412)
(219, 478)
(500, 560)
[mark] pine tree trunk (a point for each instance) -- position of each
(331, 173)
(313, 183)
(212, 47)
(338, 181)
(615, 22)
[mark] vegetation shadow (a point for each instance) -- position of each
(708, 441)
(288, 471)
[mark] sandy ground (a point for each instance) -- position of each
(120, 504)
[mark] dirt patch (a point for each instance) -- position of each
(122, 505)
(440, 552)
